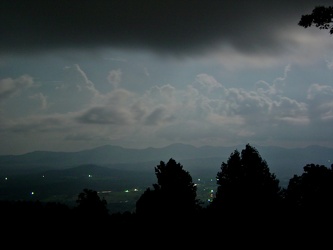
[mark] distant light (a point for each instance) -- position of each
(135, 189)
(198, 179)
(89, 175)
(126, 191)
(32, 193)
(212, 191)
(106, 191)
(6, 178)
(43, 176)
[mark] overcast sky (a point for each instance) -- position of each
(79, 74)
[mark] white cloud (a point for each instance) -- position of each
(42, 99)
(114, 77)
(321, 102)
(320, 92)
(329, 64)
(208, 82)
(10, 86)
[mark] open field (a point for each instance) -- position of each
(120, 193)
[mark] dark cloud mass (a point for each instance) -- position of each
(164, 26)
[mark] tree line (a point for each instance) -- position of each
(247, 194)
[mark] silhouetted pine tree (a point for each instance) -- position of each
(173, 196)
(245, 184)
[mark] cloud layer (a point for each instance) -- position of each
(204, 112)
(78, 74)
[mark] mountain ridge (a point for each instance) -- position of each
(285, 162)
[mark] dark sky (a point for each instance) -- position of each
(164, 26)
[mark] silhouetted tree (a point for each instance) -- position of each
(245, 184)
(313, 190)
(321, 17)
(90, 205)
(173, 195)
(309, 202)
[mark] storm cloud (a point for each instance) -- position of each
(169, 26)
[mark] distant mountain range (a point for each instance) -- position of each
(112, 170)
(197, 160)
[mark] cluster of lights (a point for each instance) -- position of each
(135, 190)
